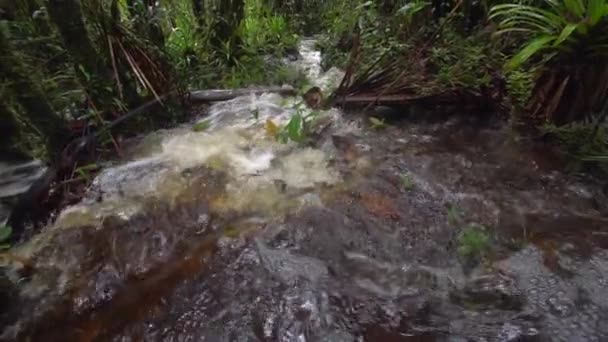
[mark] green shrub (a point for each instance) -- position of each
(473, 242)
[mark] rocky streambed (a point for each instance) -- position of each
(419, 230)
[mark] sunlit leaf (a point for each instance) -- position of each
(294, 128)
(575, 7)
(201, 126)
(566, 32)
(596, 9)
(271, 129)
(377, 123)
(528, 51)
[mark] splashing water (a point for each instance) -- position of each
(226, 234)
(15, 179)
(235, 142)
(310, 64)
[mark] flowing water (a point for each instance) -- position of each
(228, 235)
(16, 178)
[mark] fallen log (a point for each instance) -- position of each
(214, 95)
(462, 98)
(386, 100)
(400, 99)
(229, 94)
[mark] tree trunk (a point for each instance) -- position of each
(198, 9)
(89, 65)
(387, 7)
(9, 129)
(38, 110)
(230, 13)
(155, 32)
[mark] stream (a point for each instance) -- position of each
(226, 234)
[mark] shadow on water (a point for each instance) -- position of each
(136, 298)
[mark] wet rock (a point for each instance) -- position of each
(98, 263)
(492, 291)
(514, 333)
(570, 306)
(290, 268)
(314, 98)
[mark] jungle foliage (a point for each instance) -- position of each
(541, 62)
(69, 67)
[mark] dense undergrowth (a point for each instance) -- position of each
(147, 49)
(500, 50)
(542, 62)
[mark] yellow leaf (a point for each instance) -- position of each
(271, 129)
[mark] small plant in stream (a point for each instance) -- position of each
(298, 127)
(201, 126)
(294, 130)
(406, 181)
(86, 172)
(454, 215)
(473, 242)
(272, 130)
(377, 123)
(256, 113)
(5, 234)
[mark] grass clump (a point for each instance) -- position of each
(407, 183)
(473, 242)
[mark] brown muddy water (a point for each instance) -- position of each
(227, 235)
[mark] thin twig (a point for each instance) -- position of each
(114, 67)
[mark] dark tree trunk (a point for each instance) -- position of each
(89, 65)
(132, 8)
(143, 14)
(198, 9)
(39, 19)
(155, 32)
(38, 110)
(230, 13)
(387, 7)
(9, 129)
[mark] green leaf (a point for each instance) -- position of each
(84, 73)
(5, 232)
(377, 123)
(201, 126)
(566, 33)
(294, 128)
(532, 48)
(596, 9)
(407, 182)
(575, 7)
(522, 15)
